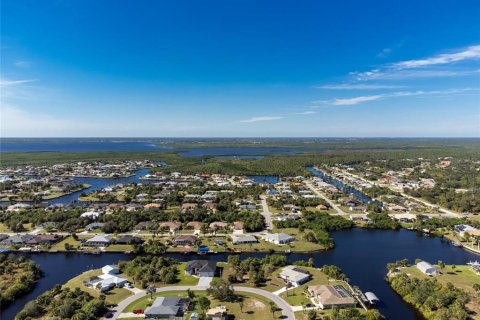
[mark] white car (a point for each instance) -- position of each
(128, 285)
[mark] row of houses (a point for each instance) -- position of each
(29, 239)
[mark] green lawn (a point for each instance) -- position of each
(60, 246)
(184, 279)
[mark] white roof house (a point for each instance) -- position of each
(427, 268)
(99, 240)
(279, 238)
(110, 269)
(294, 276)
(90, 214)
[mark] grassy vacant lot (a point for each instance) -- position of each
(462, 277)
(254, 306)
(60, 246)
(112, 297)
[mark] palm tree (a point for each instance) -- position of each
(151, 290)
(273, 308)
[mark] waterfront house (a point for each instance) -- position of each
(110, 269)
(48, 239)
(294, 276)
(168, 308)
(185, 240)
(201, 268)
(17, 239)
(129, 239)
(427, 268)
(327, 297)
(99, 240)
(246, 239)
(279, 238)
(463, 229)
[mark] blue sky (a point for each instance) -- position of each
(240, 68)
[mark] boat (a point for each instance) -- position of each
(456, 244)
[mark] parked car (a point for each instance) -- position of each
(109, 315)
(138, 311)
(128, 285)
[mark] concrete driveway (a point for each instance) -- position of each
(205, 281)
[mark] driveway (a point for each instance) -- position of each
(204, 281)
(286, 309)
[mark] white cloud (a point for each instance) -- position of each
(306, 112)
(357, 86)
(355, 100)
(470, 53)
(258, 119)
(362, 99)
(423, 68)
(5, 82)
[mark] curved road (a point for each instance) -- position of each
(286, 309)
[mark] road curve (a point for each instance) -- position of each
(286, 309)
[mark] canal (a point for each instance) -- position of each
(361, 253)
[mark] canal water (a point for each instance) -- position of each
(361, 253)
(342, 186)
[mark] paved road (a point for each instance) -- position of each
(266, 213)
(330, 202)
(286, 309)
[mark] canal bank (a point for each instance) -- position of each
(362, 254)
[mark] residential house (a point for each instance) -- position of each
(246, 239)
(294, 276)
(185, 240)
(171, 225)
(201, 268)
(427, 268)
(99, 240)
(48, 239)
(279, 238)
(129, 239)
(328, 297)
(218, 225)
(195, 225)
(168, 308)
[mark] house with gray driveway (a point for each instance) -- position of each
(168, 308)
(201, 268)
